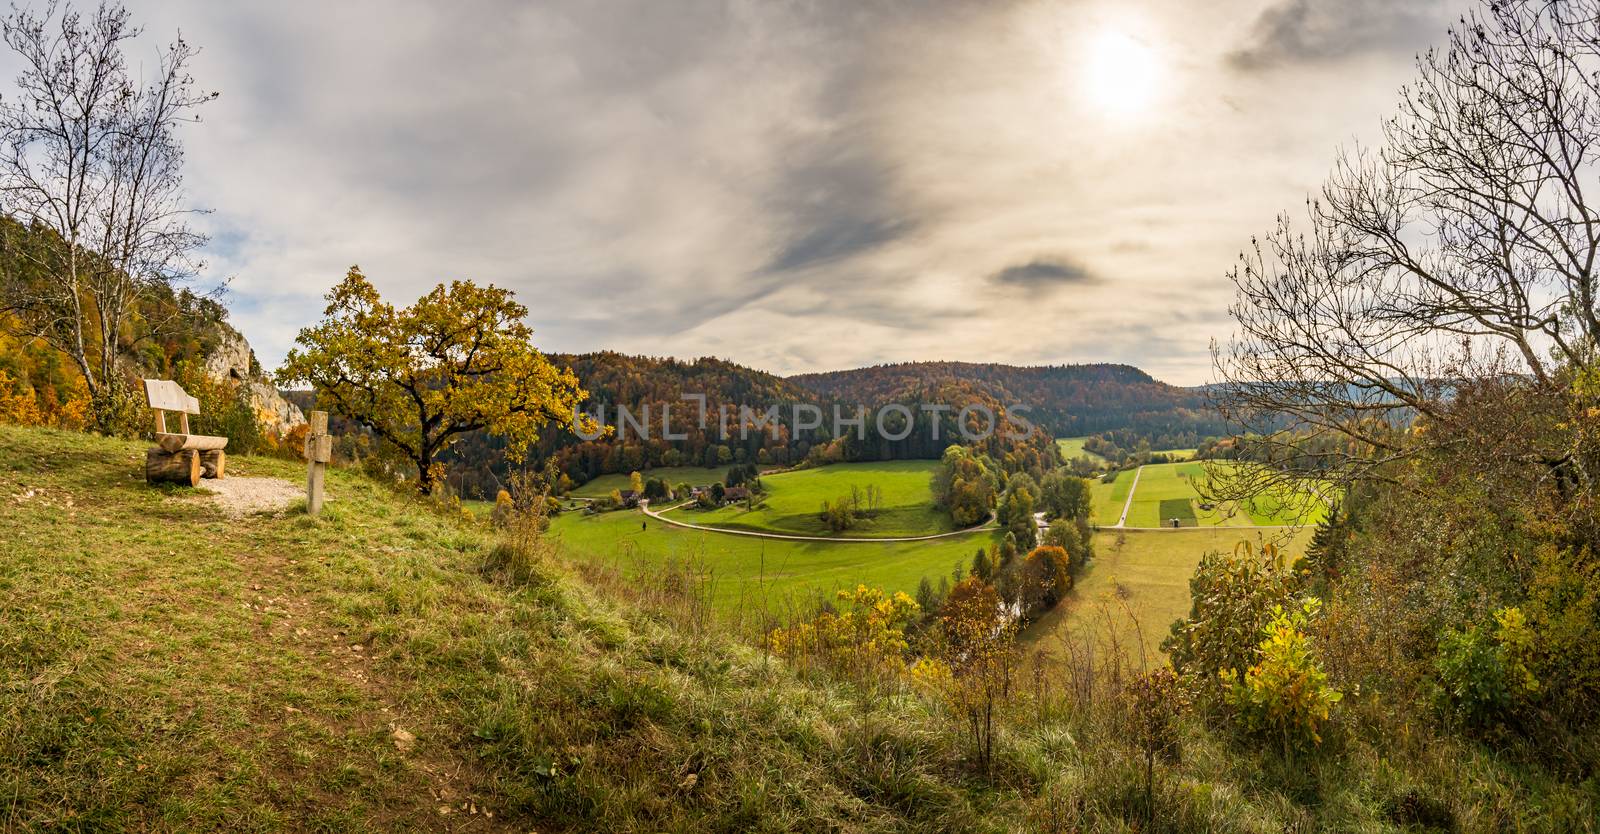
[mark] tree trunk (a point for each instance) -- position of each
(175, 468)
(212, 463)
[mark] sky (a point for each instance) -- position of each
(795, 186)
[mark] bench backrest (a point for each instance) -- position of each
(165, 395)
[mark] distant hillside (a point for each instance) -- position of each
(1069, 400)
(636, 383)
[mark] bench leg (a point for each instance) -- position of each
(212, 463)
(163, 467)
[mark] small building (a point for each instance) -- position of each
(733, 494)
(630, 498)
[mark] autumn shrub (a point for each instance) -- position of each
(1045, 578)
(1233, 597)
(1562, 616)
(973, 662)
(18, 404)
(1285, 694)
(502, 509)
(521, 553)
(864, 639)
(1154, 702)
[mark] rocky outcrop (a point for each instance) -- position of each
(233, 361)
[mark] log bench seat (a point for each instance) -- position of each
(179, 457)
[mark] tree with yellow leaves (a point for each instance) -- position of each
(457, 361)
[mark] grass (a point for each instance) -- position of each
(794, 498)
(167, 667)
(1109, 498)
(1139, 582)
(1071, 448)
(1171, 490)
(769, 574)
(693, 475)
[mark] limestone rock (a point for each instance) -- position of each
(233, 361)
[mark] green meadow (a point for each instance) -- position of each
(693, 475)
(1109, 498)
(1072, 447)
(794, 499)
(1172, 490)
(746, 570)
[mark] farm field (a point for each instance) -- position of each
(693, 475)
(748, 571)
(1109, 498)
(1174, 454)
(794, 498)
(1138, 583)
(1072, 447)
(1168, 491)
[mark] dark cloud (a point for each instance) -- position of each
(1296, 31)
(1044, 273)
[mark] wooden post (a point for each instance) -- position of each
(319, 450)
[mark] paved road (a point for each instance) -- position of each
(644, 506)
(1121, 522)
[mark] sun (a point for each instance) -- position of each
(1121, 74)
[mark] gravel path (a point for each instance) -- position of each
(239, 496)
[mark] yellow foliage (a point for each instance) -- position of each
(18, 403)
(866, 637)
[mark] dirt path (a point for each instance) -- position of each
(644, 506)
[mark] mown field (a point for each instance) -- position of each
(794, 499)
(749, 574)
(1138, 583)
(693, 475)
(1109, 498)
(1172, 490)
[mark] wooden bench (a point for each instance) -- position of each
(179, 457)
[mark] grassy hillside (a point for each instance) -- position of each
(168, 667)
(794, 498)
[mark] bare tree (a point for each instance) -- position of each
(1456, 262)
(91, 171)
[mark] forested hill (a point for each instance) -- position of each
(1068, 400)
(648, 387)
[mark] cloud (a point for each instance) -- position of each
(1302, 31)
(794, 186)
(1043, 274)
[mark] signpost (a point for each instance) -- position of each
(319, 450)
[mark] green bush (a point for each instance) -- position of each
(1286, 693)
(1481, 673)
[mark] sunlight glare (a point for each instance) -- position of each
(1121, 73)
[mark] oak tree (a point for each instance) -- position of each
(457, 361)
